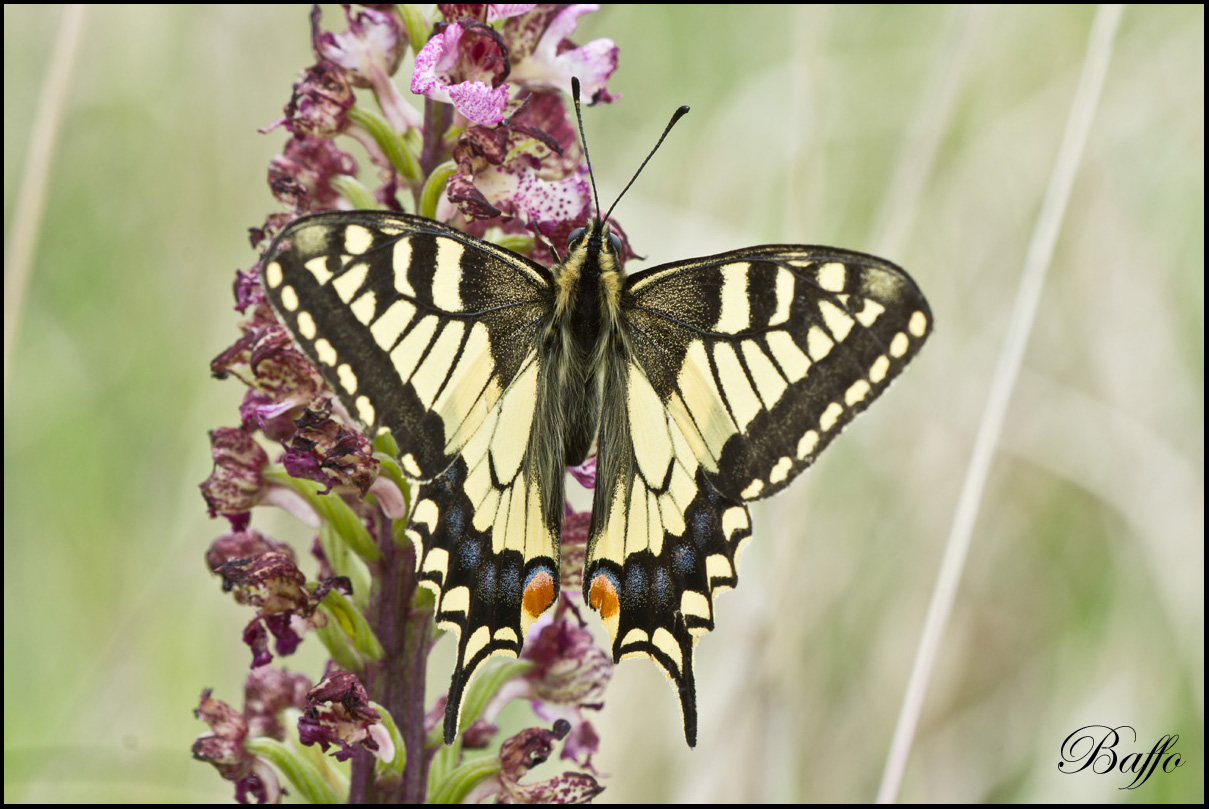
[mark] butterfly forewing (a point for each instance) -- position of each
(762, 356)
(418, 328)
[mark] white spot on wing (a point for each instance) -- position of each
(436, 367)
(718, 566)
(363, 308)
(635, 636)
(426, 512)
(744, 404)
(665, 642)
(348, 380)
(870, 313)
(830, 416)
(918, 324)
(753, 490)
(694, 603)
(879, 369)
(807, 443)
(409, 465)
(306, 325)
(735, 313)
(818, 343)
(349, 282)
(407, 354)
(477, 642)
(401, 262)
(898, 345)
(769, 382)
(447, 275)
(318, 268)
(387, 328)
(289, 298)
(357, 239)
(832, 277)
(836, 320)
(734, 519)
(456, 599)
(781, 470)
(784, 291)
(857, 392)
(365, 410)
(648, 428)
(272, 274)
(324, 352)
(437, 561)
(785, 351)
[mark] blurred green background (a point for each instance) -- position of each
(1083, 598)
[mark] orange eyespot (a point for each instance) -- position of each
(539, 594)
(603, 597)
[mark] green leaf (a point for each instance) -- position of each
(331, 509)
(308, 780)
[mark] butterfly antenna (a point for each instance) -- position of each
(584, 141)
(676, 116)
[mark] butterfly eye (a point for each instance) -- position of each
(615, 244)
(575, 236)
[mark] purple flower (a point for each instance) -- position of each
(338, 714)
(544, 59)
(523, 752)
(268, 692)
(223, 747)
(320, 102)
(271, 582)
(529, 170)
(574, 551)
(242, 545)
(265, 359)
(369, 53)
(323, 450)
(495, 137)
(465, 65)
(237, 482)
(301, 176)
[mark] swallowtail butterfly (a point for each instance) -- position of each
(701, 384)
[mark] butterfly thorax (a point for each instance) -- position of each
(583, 332)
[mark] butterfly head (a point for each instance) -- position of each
(595, 236)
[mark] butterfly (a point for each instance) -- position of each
(701, 385)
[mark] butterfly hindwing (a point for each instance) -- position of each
(486, 531)
(663, 539)
(737, 372)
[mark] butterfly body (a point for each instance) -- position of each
(701, 384)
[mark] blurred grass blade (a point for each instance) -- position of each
(1036, 262)
(31, 199)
